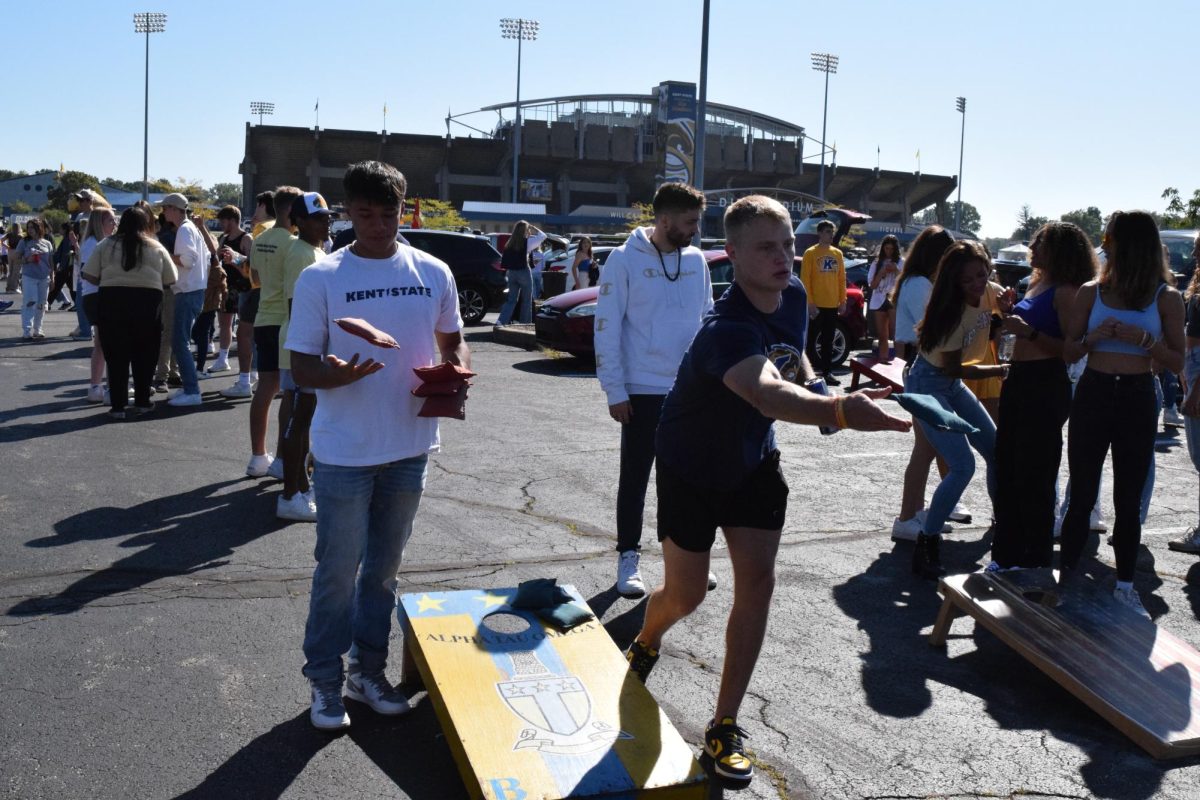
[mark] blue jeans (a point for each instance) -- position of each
(187, 308)
(955, 448)
(364, 519)
(537, 283)
(1191, 425)
(520, 286)
(33, 303)
(85, 327)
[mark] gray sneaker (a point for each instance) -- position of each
(328, 713)
(1130, 599)
(374, 690)
(1188, 543)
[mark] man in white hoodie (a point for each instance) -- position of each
(654, 291)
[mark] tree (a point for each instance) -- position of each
(971, 220)
(643, 214)
(227, 194)
(438, 215)
(1180, 214)
(128, 186)
(20, 207)
(6, 174)
(1090, 219)
(69, 183)
(1027, 224)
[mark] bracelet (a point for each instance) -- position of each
(839, 413)
(1152, 345)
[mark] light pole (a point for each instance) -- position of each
(519, 29)
(147, 22)
(827, 63)
(259, 108)
(701, 113)
(961, 104)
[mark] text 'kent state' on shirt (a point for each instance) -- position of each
(392, 291)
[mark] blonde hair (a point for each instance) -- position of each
(750, 209)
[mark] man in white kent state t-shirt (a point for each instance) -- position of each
(371, 448)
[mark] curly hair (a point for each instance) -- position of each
(1062, 254)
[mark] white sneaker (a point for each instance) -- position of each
(276, 469)
(96, 394)
(258, 466)
(296, 509)
(906, 530)
(312, 500)
(377, 692)
(212, 348)
(1172, 418)
(328, 712)
(239, 389)
(712, 580)
(960, 514)
(629, 580)
(920, 518)
(220, 365)
(183, 399)
(1188, 543)
(253, 377)
(1096, 521)
(1130, 599)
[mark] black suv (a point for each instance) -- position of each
(474, 263)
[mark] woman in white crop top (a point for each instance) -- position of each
(1127, 318)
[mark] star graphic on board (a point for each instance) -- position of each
(427, 603)
(490, 600)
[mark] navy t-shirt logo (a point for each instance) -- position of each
(787, 360)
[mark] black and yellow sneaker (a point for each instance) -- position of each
(641, 660)
(723, 743)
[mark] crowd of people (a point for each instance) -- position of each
(695, 385)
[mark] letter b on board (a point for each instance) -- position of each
(507, 789)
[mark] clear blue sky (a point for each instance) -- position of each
(1070, 103)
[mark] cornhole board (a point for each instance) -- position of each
(891, 374)
(534, 713)
(1138, 676)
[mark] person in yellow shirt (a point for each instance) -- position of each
(266, 264)
(247, 304)
(823, 273)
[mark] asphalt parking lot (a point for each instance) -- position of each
(153, 606)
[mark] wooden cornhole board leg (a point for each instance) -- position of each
(1138, 676)
(531, 712)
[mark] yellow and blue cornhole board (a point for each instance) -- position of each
(534, 713)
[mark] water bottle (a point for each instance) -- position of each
(817, 386)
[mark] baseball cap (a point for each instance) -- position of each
(84, 194)
(311, 204)
(175, 200)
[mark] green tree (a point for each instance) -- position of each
(971, 220)
(67, 184)
(54, 219)
(6, 174)
(1027, 224)
(1090, 219)
(117, 183)
(643, 215)
(1180, 214)
(20, 207)
(227, 194)
(437, 214)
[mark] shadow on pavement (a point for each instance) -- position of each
(560, 367)
(623, 627)
(893, 607)
(400, 746)
(176, 535)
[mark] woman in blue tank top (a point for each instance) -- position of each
(1130, 316)
(1036, 399)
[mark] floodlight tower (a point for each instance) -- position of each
(961, 104)
(147, 22)
(521, 30)
(827, 63)
(260, 108)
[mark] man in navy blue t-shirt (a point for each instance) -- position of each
(717, 462)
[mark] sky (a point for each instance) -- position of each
(1069, 103)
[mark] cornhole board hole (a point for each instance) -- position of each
(534, 713)
(890, 374)
(1138, 676)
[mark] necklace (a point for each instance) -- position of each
(678, 263)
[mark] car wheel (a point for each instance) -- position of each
(841, 343)
(472, 304)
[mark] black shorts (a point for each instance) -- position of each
(689, 515)
(266, 343)
(91, 308)
(247, 308)
(231, 303)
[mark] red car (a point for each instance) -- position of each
(566, 322)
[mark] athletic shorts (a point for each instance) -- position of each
(287, 384)
(266, 342)
(247, 308)
(91, 308)
(689, 515)
(231, 303)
